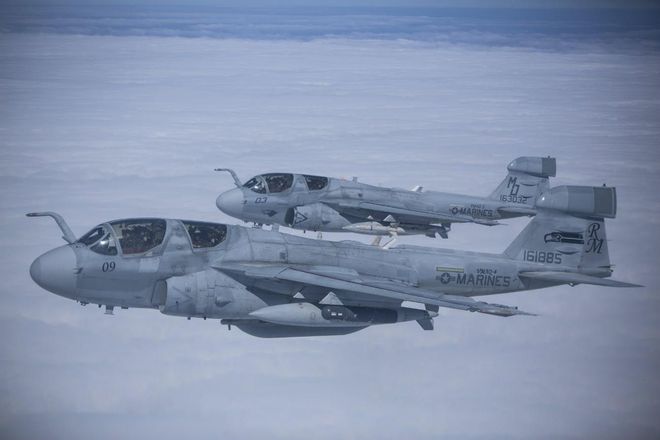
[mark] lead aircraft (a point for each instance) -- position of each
(271, 284)
(316, 203)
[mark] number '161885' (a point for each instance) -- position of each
(542, 257)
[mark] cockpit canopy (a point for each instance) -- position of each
(205, 235)
(315, 183)
(135, 236)
(279, 182)
(256, 184)
(140, 236)
(273, 183)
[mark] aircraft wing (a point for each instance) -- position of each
(516, 210)
(347, 280)
(574, 278)
(406, 214)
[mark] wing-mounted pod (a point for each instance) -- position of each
(269, 330)
(534, 166)
(582, 201)
(337, 315)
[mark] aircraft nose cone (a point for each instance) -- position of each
(231, 202)
(54, 271)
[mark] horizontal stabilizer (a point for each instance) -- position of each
(575, 278)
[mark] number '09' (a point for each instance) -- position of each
(108, 266)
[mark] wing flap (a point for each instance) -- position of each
(575, 278)
(516, 210)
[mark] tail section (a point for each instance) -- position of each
(569, 230)
(527, 179)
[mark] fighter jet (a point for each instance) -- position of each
(316, 203)
(271, 284)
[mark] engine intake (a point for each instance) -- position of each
(314, 217)
(201, 294)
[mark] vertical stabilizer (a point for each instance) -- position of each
(569, 230)
(528, 177)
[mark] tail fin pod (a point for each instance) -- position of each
(526, 180)
(585, 201)
(569, 229)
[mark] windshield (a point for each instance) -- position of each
(137, 236)
(100, 241)
(278, 182)
(92, 236)
(256, 184)
(316, 182)
(106, 246)
(205, 235)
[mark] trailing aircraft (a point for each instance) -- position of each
(316, 203)
(271, 284)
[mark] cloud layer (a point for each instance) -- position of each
(552, 28)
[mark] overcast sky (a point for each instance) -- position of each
(541, 4)
(115, 116)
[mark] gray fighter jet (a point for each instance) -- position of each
(316, 203)
(271, 284)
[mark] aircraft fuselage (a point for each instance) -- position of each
(75, 271)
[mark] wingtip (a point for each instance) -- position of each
(625, 284)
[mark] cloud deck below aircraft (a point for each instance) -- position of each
(103, 127)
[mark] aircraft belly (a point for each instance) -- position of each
(122, 292)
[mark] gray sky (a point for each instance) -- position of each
(525, 4)
(99, 127)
